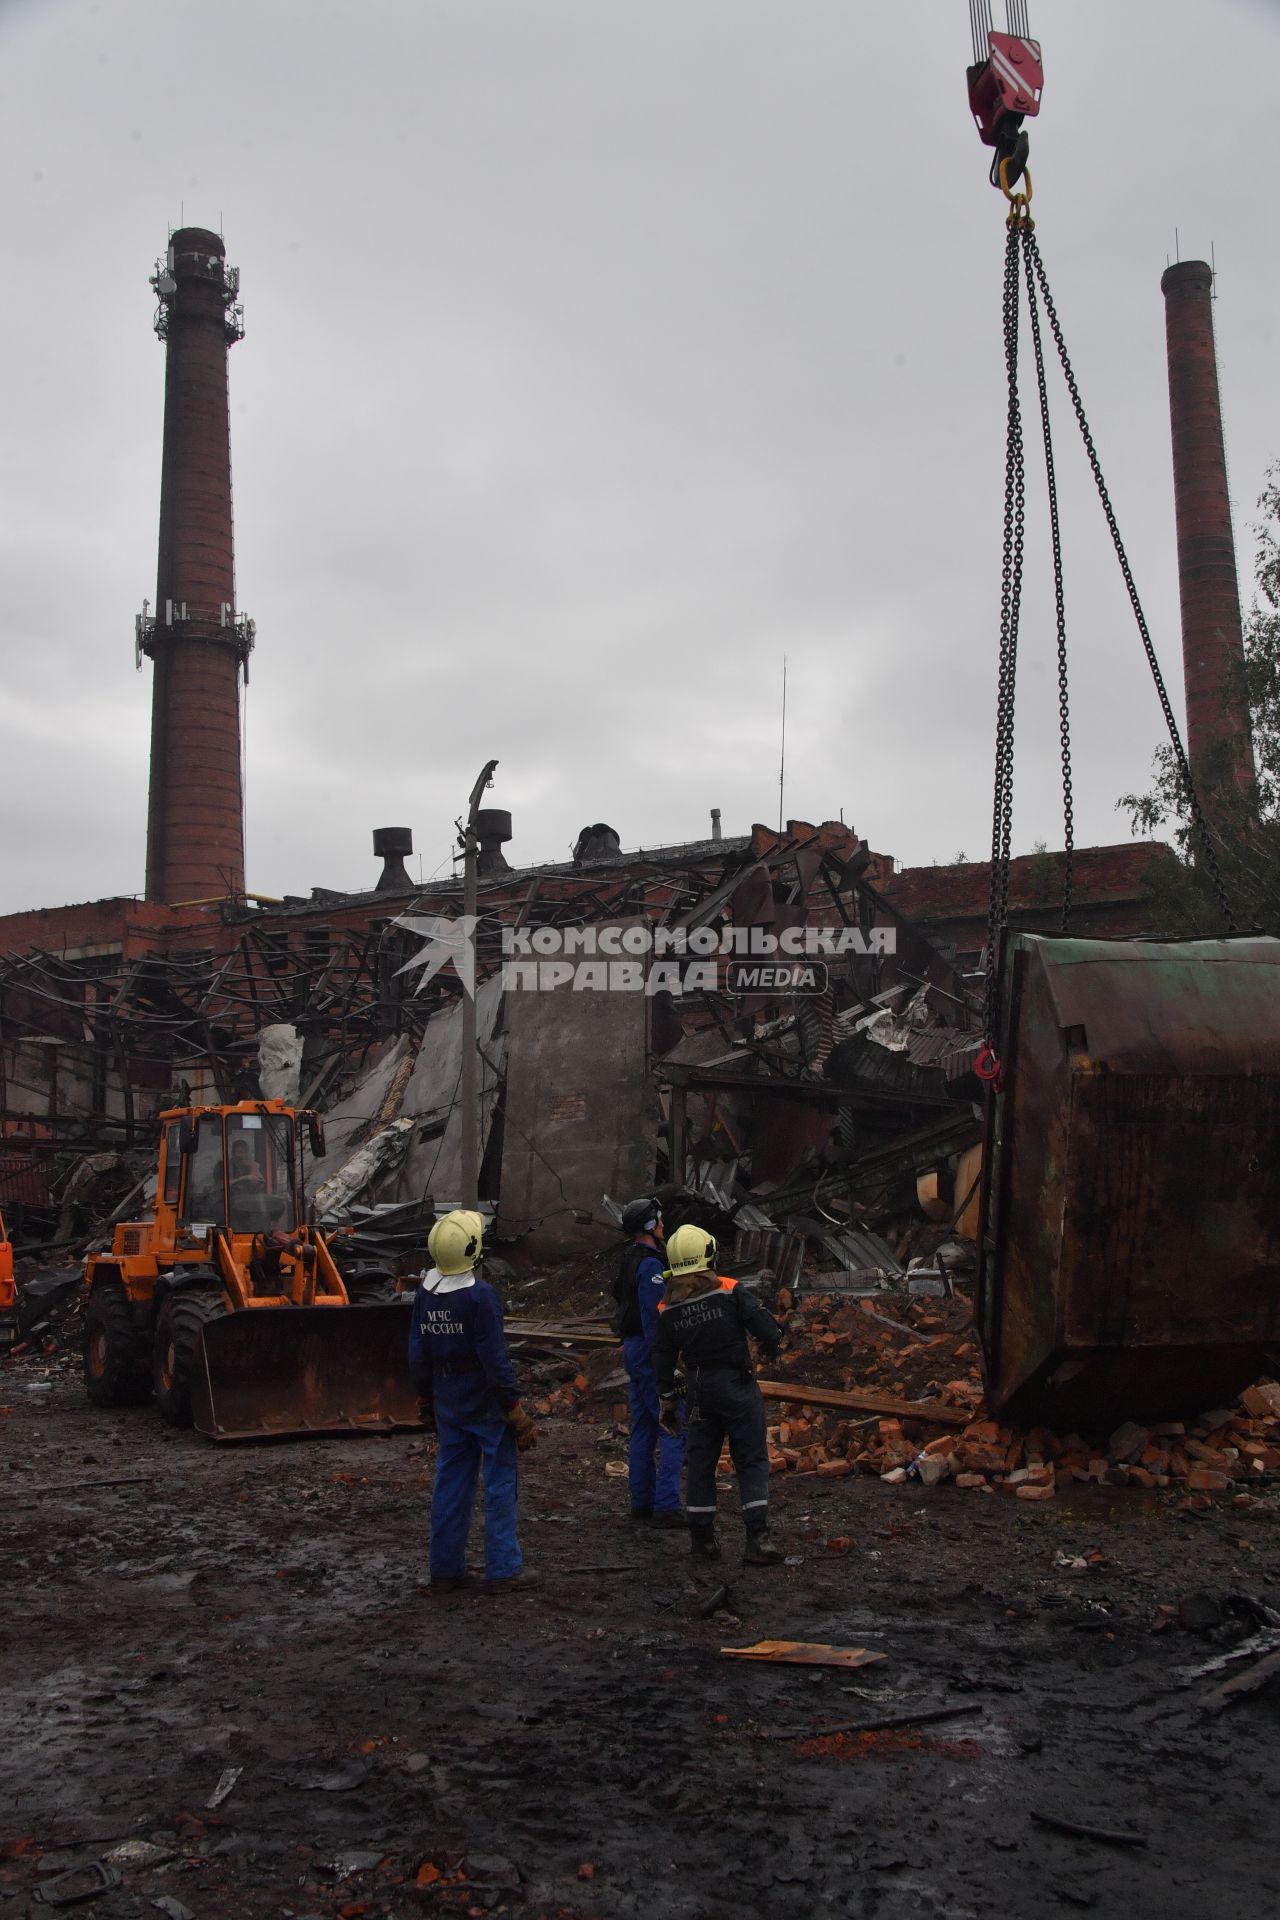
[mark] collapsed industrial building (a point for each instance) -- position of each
(586, 1093)
(529, 1585)
(778, 1029)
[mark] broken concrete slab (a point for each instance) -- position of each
(579, 1118)
(432, 1099)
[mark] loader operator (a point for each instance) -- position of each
(249, 1208)
(705, 1321)
(638, 1290)
(469, 1399)
(244, 1168)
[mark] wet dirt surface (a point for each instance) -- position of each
(584, 1749)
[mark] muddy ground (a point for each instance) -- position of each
(172, 1610)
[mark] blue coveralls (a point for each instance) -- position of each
(651, 1490)
(460, 1365)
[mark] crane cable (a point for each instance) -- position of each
(1022, 251)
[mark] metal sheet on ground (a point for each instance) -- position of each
(274, 1371)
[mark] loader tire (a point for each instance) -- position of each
(116, 1373)
(177, 1351)
(372, 1291)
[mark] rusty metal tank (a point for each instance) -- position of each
(1129, 1242)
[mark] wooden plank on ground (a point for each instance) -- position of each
(1247, 1682)
(933, 1413)
(552, 1335)
(805, 1653)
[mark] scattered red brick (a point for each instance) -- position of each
(924, 1350)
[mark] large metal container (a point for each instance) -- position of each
(1129, 1249)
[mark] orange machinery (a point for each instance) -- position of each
(7, 1293)
(228, 1307)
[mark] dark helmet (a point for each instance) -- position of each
(642, 1215)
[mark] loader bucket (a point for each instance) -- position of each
(267, 1371)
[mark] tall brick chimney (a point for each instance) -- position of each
(1212, 646)
(198, 641)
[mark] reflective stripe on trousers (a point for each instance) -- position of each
(728, 1407)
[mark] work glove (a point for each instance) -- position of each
(525, 1431)
(669, 1417)
(427, 1415)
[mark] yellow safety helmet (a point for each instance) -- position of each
(690, 1250)
(474, 1219)
(454, 1242)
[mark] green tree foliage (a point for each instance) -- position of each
(1044, 874)
(1245, 829)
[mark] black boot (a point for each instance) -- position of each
(669, 1518)
(516, 1583)
(703, 1543)
(761, 1552)
(453, 1583)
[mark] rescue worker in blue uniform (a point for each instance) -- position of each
(638, 1290)
(704, 1323)
(469, 1398)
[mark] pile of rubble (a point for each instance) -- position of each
(892, 1343)
(1224, 1450)
(45, 1317)
(905, 1378)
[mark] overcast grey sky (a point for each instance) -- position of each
(600, 352)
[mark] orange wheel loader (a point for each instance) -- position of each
(228, 1308)
(8, 1293)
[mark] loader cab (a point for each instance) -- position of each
(233, 1170)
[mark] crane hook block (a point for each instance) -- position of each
(1005, 89)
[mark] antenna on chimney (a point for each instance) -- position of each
(782, 763)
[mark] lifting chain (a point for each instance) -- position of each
(1021, 241)
(1064, 715)
(1010, 611)
(1175, 739)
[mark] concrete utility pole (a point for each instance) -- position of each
(470, 1057)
